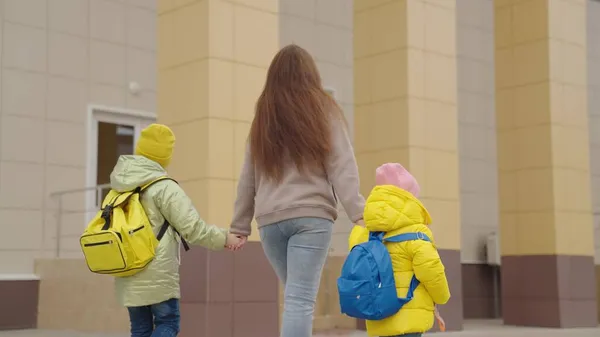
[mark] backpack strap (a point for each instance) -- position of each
(408, 237)
(107, 212)
(414, 282)
(145, 187)
(163, 230)
(166, 224)
(123, 197)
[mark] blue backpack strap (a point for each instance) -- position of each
(408, 237)
(378, 236)
(414, 282)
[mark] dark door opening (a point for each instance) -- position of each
(114, 140)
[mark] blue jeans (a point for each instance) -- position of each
(409, 335)
(156, 320)
(297, 250)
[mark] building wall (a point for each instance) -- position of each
(543, 162)
(477, 126)
(57, 57)
(593, 27)
(594, 109)
(477, 149)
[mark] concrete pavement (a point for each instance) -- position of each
(493, 328)
(472, 329)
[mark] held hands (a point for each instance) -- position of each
(235, 242)
(231, 240)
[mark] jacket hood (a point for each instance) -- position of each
(390, 208)
(133, 171)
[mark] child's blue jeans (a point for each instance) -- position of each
(156, 320)
(409, 335)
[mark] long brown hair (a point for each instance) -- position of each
(293, 116)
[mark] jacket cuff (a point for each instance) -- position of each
(221, 240)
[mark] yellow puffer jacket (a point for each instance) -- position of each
(164, 200)
(394, 211)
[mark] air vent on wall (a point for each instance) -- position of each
(493, 249)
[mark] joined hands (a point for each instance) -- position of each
(235, 242)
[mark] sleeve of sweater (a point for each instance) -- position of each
(243, 209)
(342, 171)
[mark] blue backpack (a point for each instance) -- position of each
(366, 287)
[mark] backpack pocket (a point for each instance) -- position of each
(357, 298)
(365, 300)
(142, 243)
(104, 252)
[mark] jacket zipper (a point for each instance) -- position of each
(136, 229)
(98, 243)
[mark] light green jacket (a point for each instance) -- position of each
(164, 200)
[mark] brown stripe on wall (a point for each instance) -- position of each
(361, 325)
(19, 304)
(556, 291)
(328, 315)
(228, 294)
(452, 312)
(478, 291)
(598, 290)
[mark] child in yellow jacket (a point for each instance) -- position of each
(393, 207)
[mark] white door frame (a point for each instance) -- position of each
(100, 113)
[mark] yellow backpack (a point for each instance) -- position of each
(119, 241)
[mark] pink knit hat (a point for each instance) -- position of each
(395, 174)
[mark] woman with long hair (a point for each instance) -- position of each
(299, 160)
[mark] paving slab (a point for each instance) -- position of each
(472, 329)
(491, 328)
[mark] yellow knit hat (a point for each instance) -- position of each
(156, 143)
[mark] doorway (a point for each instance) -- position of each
(114, 140)
(112, 132)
